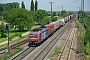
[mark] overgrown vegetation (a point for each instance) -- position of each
(2, 30)
(86, 37)
(11, 54)
(79, 36)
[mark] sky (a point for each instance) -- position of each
(68, 5)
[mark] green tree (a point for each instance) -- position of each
(23, 5)
(54, 13)
(8, 6)
(39, 15)
(59, 14)
(45, 20)
(48, 13)
(1, 8)
(16, 4)
(63, 13)
(19, 17)
(2, 30)
(32, 6)
(54, 19)
(36, 5)
(5, 14)
(69, 13)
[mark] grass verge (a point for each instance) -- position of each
(87, 57)
(56, 51)
(58, 18)
(13, 33)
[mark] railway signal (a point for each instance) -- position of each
(8, 28)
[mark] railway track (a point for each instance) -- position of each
(42, 54)
(25, 52)
(15, 46)
(65, 52)
(19, 44)
(22, 54)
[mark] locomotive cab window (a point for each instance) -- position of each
(33, 36)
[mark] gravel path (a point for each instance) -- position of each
(73, 54)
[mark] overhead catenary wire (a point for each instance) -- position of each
(65, 5)
(71, 3)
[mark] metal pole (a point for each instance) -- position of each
(62, 7)
(82, 9)
(51, 10)
(8, 42)
(82, 20)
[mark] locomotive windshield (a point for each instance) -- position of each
(33, 36)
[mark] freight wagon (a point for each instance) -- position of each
(60, 23)
(50, 28)
(56, 25)
(63, 22)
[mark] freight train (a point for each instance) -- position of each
(38, 35)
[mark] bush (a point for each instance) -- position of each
(54, 19)
(18, 34)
